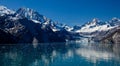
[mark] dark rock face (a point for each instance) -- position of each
(6, 38)
(112, 37)
(116, 38)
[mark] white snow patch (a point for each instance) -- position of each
(96, 28)
(35, 21)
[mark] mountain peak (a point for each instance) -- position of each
(30, 14)
(4, 10)
(95, 20)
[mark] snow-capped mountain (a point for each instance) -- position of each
(30, 14)
(28, 26)
(38, 18)
(4, 10)
(97, 30)
(97, 26)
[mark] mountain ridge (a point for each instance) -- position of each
(29, 26)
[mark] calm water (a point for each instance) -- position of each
(60, 54)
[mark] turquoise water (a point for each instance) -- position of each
(60, 54)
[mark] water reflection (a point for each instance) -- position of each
(95, 53)
(57, 54)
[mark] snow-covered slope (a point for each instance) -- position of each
(96, 26)
(4, 10)
(30, 14)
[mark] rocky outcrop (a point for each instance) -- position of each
(116, 37)
(112, 37)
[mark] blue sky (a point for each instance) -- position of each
(71, 12)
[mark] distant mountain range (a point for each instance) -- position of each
(26, 25)
(97, 25)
